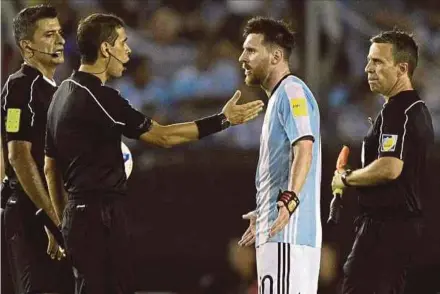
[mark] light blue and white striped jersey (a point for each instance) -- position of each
(292, 113)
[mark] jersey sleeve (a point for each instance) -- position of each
(19, 110)
(393, 136)
(120, 112)
(294, 113)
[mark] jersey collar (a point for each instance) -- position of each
(279, 83)
(87, 77)
(407, 95)
(32, 71)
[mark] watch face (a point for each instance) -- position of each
(344, 177)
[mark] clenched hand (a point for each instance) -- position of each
(54, 250)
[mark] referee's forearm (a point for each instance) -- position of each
(378, 172)
(2, 167)
(54, 181)
(182, 133)
(171, 135)
(33, 185)
(57, 195)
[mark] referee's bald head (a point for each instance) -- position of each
(93, 31)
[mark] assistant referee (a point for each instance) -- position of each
(25, 99)
(390, 181)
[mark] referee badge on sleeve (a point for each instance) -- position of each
(13, 120)
(388, 143)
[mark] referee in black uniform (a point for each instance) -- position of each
(25, 100)
(83, 148)
(390, 182)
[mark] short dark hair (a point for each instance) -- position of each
(274, 31)
(405, 48)
(92, 31)
(25, 21)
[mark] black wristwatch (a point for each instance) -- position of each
(224, 121)
(344, 176)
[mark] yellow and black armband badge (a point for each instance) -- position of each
(13, 120)
(289, 199)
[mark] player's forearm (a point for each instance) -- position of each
(380, 171)
(300, 167)
(27, 173)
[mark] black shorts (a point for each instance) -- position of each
(98, 242)
(380, 256)
(32, 269)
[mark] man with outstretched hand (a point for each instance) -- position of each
(83, 151)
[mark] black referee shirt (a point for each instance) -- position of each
(25, 100)
(403, 129)
(85, 122)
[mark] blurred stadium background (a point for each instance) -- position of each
(186, 203)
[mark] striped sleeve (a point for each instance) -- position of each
(18, 105)
(134, 122)
(294, 112)
(114, 110)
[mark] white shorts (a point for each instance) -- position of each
(287, 269)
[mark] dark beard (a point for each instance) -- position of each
(253, 80)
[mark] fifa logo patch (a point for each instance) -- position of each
(299, 107)
(388, 143)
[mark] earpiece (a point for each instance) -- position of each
(53, 54)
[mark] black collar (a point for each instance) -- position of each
(407, 95)
(86, 77)
(279, 83)
(30, 71)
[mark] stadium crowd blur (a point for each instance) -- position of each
(185, 65)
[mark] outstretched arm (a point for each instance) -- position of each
(175, 134)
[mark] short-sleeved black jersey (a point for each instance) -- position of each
(403, 129)
(85, 122)
(25, 100)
